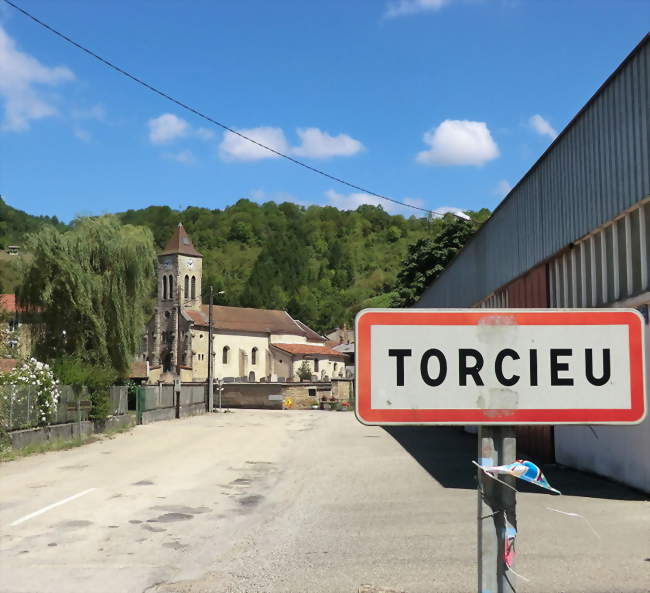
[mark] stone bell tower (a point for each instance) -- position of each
(180, 268)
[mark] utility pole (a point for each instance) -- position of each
(210, 361)
(179, 344)
(496, 515)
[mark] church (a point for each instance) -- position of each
(247, 344)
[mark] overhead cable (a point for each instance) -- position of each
(212, 120)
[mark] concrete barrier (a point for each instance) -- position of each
(157, 415)
(192, 410)
(57, 432)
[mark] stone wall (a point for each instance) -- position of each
(303, 395)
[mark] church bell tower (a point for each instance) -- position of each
(180, 268)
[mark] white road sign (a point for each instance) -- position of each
(479, 366)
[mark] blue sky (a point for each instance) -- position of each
(440, 103)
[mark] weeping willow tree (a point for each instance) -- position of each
(90, 288)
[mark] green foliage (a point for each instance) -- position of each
(92, 287)
(427, 258)
(72, 370)
(15, 224)
(304, 372)
(319, 263)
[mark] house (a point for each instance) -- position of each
(342, 340)
(13, 329)
(247, 344)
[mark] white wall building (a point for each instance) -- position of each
(248, 344)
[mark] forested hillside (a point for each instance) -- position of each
(319, 263)
(14, 225)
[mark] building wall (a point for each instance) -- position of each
(618, 452)
(609, 264)
(239, 356)
(326, 365)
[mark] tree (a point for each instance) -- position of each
(92, 288)
(427, 258)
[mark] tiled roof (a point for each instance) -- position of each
(7, 364)
(307, 349)
(138, 370)
(8, 302)
(180, 243)
(244, 319)
(310, 334)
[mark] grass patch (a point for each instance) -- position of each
(38, 448)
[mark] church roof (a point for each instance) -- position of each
(307, 349)
(269, 321)
(180, 243)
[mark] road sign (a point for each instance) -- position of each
(504, 366)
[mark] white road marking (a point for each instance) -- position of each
(50, 507)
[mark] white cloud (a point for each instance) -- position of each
(542, 127)
(353, 200)
(19, 75)
(314, 143)
(503, 188)
(458, 142)
(204, 133)
(407, 7)
(447, 209)
(317, 144)
(236, 148)
(184, 156)
(167, 127)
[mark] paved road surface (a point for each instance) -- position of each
(296, 502)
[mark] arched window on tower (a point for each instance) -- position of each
(164, 287)
(254, 356)
(171, 286)
(186, 291)
(193, 287)
(225, 355)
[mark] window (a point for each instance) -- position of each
(335, 366)
(164, 287)
(193, 287)
(186, 292)
(254, 356)
(171, 287)
(316, 361)
(225, 355)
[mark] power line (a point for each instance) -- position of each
(210, 119)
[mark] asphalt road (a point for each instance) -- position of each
(297, 502)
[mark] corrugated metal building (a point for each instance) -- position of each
(574, 232)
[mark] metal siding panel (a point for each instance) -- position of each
(597, 168)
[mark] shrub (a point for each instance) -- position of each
(96, 378)
(40, 379)
(304, 372)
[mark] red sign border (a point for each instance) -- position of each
(369, 317)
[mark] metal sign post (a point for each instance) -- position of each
(497, 369)
(496, 514)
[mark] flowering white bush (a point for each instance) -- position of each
(39, 379)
